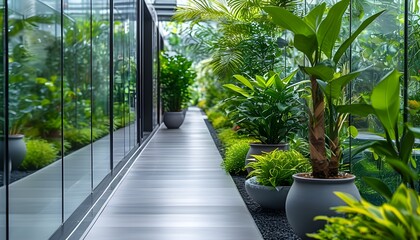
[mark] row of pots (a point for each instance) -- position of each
(306, 198)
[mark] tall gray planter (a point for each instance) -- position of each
(17, 151)
(310, 197)
(259, 148)
(173, 120)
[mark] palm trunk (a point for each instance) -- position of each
(335, 157)
(320, 166)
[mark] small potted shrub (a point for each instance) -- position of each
(176, 76)
(267, 109)
(271, 177)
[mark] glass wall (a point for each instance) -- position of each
(125, 89)
(2, 129)
(65, 107)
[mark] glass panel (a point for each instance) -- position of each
(125, 80)
(34, 112)
(77, 105)
(100, 87)
(414, 70)
(381, 47)
(2, 132)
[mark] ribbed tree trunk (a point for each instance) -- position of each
(335, 157)
(320, 166)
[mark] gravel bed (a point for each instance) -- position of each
(272, 224)
(15, 175)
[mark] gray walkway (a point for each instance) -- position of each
(177, 190)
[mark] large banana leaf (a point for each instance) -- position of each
(314, 17)
(330, 27)
(385, 99)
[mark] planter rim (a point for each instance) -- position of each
(269, 144)
(253, 181)
(349, 178)
(14, 136)
(174, 112)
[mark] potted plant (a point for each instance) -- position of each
(271, 177)
(267, 109)
(176, 76)
(316, 37)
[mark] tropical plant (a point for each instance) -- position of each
(397, 219)
(316, 37)
(276, 168)
(266, 108)
(176, 76)
(244, 39)
(397, 146)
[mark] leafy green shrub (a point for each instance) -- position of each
(229, 136)
(213, 113)
(39, 154)
(82, 137)
(277, 167)
(221, 122)
(176, 76)
(397, 219)
(234, 161)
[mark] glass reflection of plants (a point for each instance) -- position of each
(35, 82)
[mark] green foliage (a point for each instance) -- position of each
(176, 76)
(242, 40)
(316, 37)
(276, 168)
(221, 122)
(234, 161)
(228, 136)
(397, 147)
(397, 219)
(267, 109)
(82, 137)
(40, 153)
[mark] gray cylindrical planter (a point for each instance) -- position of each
(173, 120)
(17, 151)
(267, 197)
(310, 197)
(259, 148)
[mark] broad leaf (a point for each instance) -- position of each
(270, 81)
(353, 131)
(407, 143)
(289, 21)
(320, 72)
(307, 45)
(314, 17)
(403, 169)
(245, 81)
(237, 89)
(385, 100)
(346, 44)
(330, 27)
(379, 186)
(334, 89)
(260, 81)
(362, 110)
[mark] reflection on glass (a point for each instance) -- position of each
(100, 91)
(2, 133)
(125, 77)
(381, 47)
(34, 112)
(77, 104)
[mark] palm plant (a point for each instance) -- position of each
(240, 25)
(316, 37)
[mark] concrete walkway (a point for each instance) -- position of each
(176, 190)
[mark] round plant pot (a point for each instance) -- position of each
(267, 197)
(309, 197)
(259, 148)
(173, 120)
(17, 151)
